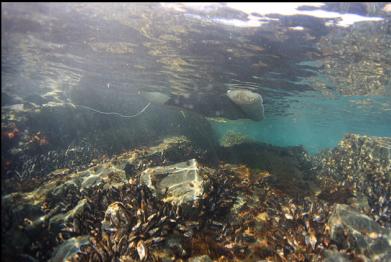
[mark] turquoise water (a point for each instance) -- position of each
(316, 122)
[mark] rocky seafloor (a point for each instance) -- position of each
(169, 202)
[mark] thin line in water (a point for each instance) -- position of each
(115, 113)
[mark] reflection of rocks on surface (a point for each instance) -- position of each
(113, 48)
(356, 60)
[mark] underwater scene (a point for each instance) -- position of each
(196, 132)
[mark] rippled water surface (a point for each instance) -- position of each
(322, 70)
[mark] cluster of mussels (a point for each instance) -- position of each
(28, 169)
(242, 214)
(283, 228)
(357, 171)
(134, 223)
(130, 223)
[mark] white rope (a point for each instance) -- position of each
(115, 113)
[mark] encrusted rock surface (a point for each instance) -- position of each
(47, 138)
(354, 230)
(69, 248)
(335, 256)
(58, 200)
(179, 184)
(244, 209)
(358, 171)
(232, 138)
(116, 217)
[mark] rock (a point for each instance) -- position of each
(71, 141)
(59, 188)
(69, 248)
(296, 168)
(155, 97)
(129, 170)
(171, 150)
(361, 166)
(15, 209)
(368, 153)
(204, 258)
(176, 244)
(179, 184)
(116, 216)
(62, 182)
(249, 102)
(335, 256)
(61, 218)
(155, 123)
(351, 229)
(59, 197)
(232, 138)
(10, 99)
(360, 202)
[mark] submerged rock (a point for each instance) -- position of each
(61, 218)
(68, 136)
(368, 154)
(60, 196)
(116, 217)
(245, 209)
(357, 171)
(69, 248)
(56, 202)
(291, 177)
(232, 138)
(179, 184)
(351, 229)
(249, 102)
(335, 256)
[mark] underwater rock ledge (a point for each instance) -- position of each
(247, 208)
(358, 172)
(39, 141)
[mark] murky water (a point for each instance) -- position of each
(82, 83)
